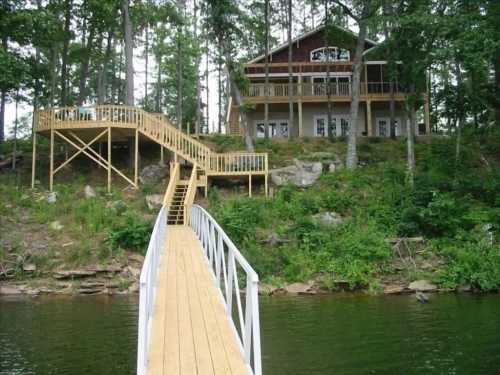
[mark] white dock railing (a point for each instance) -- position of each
(148, 282)
(224, 260)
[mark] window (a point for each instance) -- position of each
(320, 127)
(332, 128)
(284, 129)
(344, 126)
(330, 54)
(383, 128)
(276, 128)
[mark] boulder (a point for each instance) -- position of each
(335, 166)
(422, 286)
(394, 289)
(300, 288)
(301, 174)
(52, 197)
(329, 219)
(56, 225)
(154, 201)
(153, 173)
(89, 192)
(117, 206)
(29, 267)
(267, 289)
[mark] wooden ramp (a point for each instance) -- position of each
(190, 332)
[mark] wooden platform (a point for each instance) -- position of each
(191, 333)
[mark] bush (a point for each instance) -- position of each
(132, 234)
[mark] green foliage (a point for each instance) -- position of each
(133, 233)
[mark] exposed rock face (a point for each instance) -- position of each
(422, 286)
(335, 166)
(154, 201)
(29, 267)
(9, 290)
(73, 274)
(329, 219)
(153, 173)
(395, 289)
(89, 192)
(302, 174)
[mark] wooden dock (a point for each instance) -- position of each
(191, 332)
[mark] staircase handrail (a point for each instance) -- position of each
(190, 194)
(175, 173)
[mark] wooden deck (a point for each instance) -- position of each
(191, 333)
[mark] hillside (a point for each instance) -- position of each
(361, 229)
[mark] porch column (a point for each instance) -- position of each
(136, 158)
(369, 127)
(109, 159)
(427, 119)
(51, 167)
(299, 104)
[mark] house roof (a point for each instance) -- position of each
(307, 34)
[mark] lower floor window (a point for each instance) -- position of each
(276, 128)
(339, 126)
(384, 127)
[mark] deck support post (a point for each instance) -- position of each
(249, 185)
(136, 158)
(51, 167)
(162, 157)
(33, 161)
(427, 119)
(301, 129)
(109, 159)
(369, 125)
(99, 152)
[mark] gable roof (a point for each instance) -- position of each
(307, 34)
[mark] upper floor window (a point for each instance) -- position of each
(330, 54)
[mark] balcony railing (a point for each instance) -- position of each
(340, 89)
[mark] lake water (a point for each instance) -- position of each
(344, 334)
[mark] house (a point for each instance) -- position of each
(313, 62)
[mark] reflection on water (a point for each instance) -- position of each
(340, 334)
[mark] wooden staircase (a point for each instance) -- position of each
(180, 194)
(176, 206)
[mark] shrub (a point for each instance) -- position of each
(132, 234)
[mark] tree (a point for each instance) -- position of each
(129, 54)
(359, 11)
(290, 70)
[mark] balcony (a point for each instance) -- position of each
(319, 92)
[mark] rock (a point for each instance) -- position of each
(89, 291)
(135, 272)
(91, 285)
(153, 173)
(274, 240)
(422, 297)
(394, 289)
(89, 192)
(329, 219)
(134, 288)
(118, 206)
(154, 201)
(302, 174)
(267, 289)
(134, 257)
(335, 166)
(56, 225)
(300, 288)
(10, 290)
(73, 274)
(422, 286)
(29, 267)
(52, 197)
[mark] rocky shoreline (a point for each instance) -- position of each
(108, 279)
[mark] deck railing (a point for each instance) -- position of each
(156, 127)
(225, 261)
(319, 89)
(147, 288)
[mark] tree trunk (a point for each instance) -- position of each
(266, 70)
(14, 146)
(392, 110)
(206, 86)
(460, 112)
(84, 73)
(198, 78)
(65, 50)
(328, 85)
(496, 68)
(181, 5)
(290, 72)
(219, 103)
(129, 54)
(3, 99)
(352, 156)
(411, 146)
(158, 83)
(102, 79)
